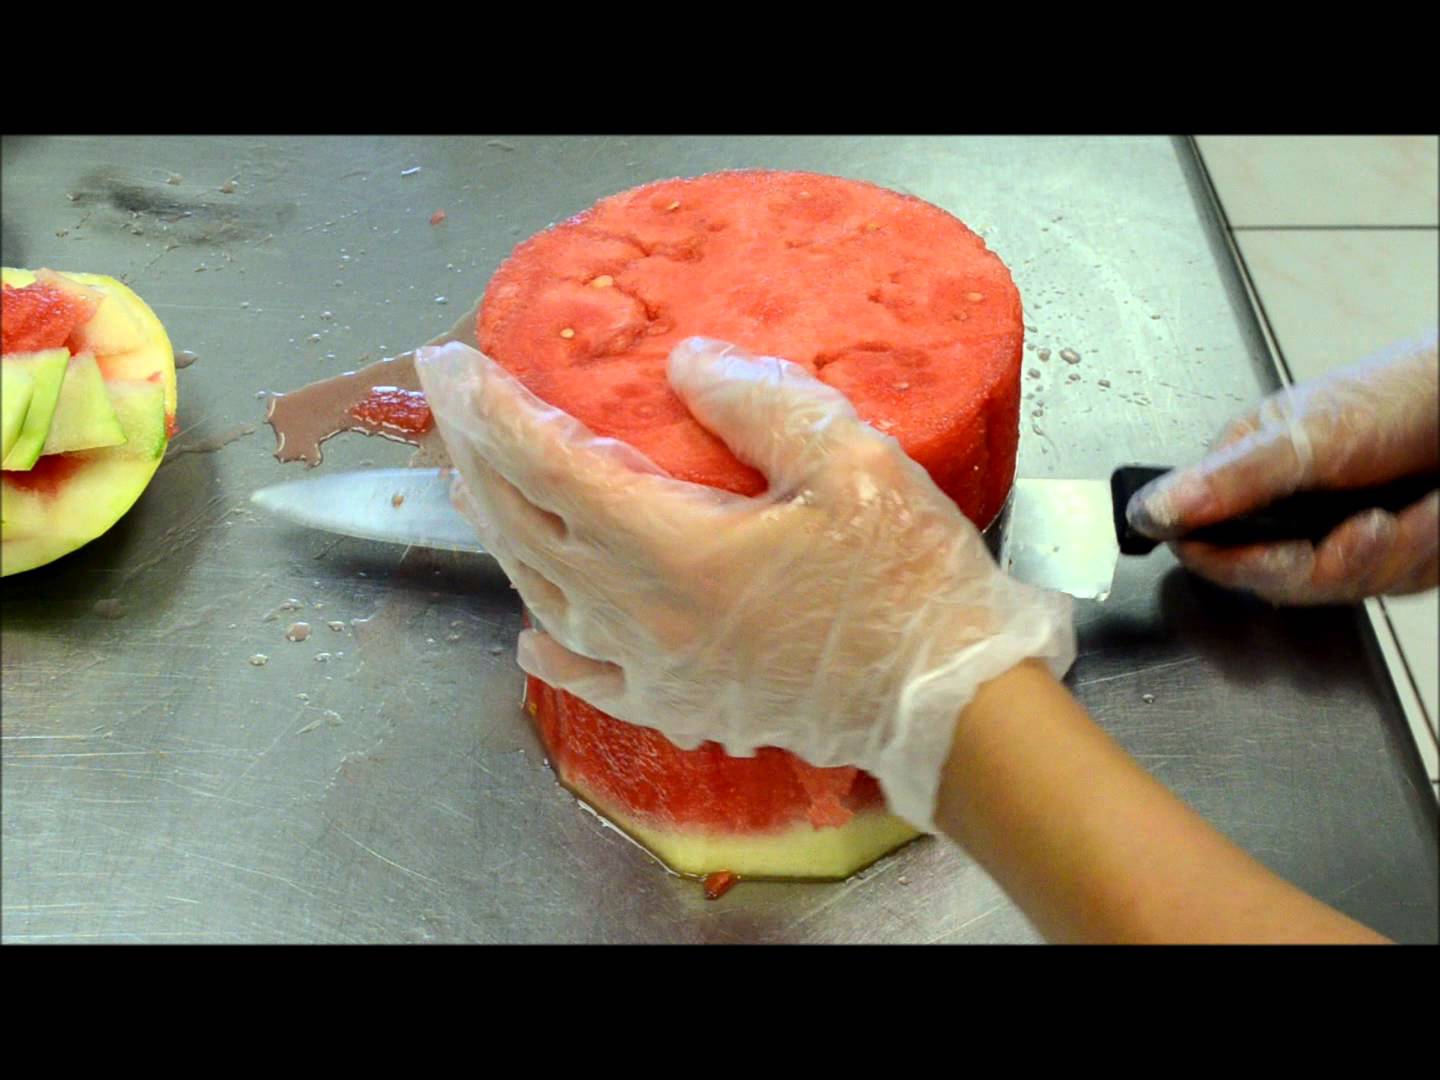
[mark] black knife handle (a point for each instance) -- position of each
(1307, 515)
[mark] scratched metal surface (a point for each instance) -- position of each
(158, 787)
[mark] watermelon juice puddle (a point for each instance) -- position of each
(383, 398)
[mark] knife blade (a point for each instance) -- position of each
(1058, 534)
(394, 506)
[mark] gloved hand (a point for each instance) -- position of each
(848, 615)
(1366, 424)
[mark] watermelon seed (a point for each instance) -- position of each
(604, 281)
(974, 297)
(1044, 354)
(298, 632)
(676, 204)
(567, 333)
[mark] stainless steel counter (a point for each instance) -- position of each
(378, 782)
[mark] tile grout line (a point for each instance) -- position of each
(1333, 228)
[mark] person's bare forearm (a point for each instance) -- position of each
(1092, 848)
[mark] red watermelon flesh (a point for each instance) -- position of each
(889, 299)
(41, 316)
(639, 770)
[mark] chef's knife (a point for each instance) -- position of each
(1058, 534)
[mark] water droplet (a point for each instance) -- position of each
(259, 659)
(1044, 354)
(336, 624)
(1070, 356)
(322, 657)
(298, 631)
(109, 609)
(1148, 699)
(410, 171)
(441, 300)
(1033, 373)
(496, 649)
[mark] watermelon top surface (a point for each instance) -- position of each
(890, 299)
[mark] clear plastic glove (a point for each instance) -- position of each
(1366, 424)
(848, 615)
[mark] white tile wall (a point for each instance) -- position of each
(1325, 180)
